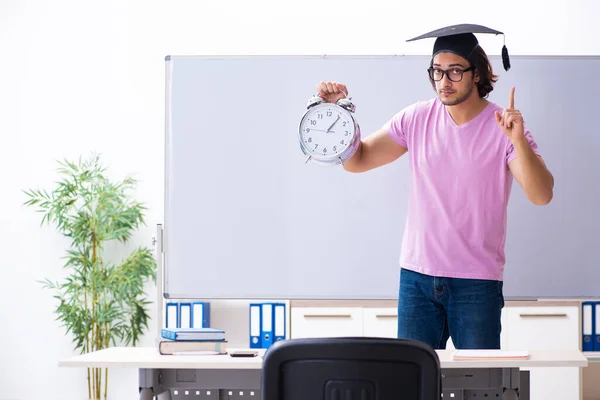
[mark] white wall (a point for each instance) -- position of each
(78, 76)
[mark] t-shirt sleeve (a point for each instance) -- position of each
(398, 126)
(511, 153)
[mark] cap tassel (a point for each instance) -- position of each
(505, 58)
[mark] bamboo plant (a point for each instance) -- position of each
(100, 303)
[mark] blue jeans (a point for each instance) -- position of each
(432, 309)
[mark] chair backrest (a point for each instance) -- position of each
(358, 368)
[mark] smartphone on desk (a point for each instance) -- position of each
(243, 353)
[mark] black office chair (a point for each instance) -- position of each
(358, 368)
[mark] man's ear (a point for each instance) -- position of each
(476, 78)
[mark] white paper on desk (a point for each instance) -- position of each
(489, 354)
(196, 353)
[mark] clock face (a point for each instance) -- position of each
(326, 130)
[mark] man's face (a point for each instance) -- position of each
(450, 92)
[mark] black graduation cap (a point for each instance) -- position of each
(460, 39)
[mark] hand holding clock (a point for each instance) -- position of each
(332, 91)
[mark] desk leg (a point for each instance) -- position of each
(150, 385)
(510, 394)
(166, 395)
(524, 385)
(510, 384)
(146, 394)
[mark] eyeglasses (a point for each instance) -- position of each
(454, 74)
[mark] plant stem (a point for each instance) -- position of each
(105, 383)
(87, 339)
(94, 300)
(93, 382)
(106, 369)
(99, 371)
(89, 384)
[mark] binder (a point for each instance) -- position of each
(185, 315)
(172, 315)
(255, 325)
(596, 325)
(266, 325)
(200, 314)
(194, 334)
(279, 322)
(588, 316)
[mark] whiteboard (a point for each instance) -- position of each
(247, 218)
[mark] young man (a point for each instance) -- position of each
(464, 152)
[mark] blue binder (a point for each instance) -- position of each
(255, 325)
(185, 315)
(172, 318)
(279, 322)
(588, 325)
(596, 326)
(194, 335)
(266, 325)
(200, 314)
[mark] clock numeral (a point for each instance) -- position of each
(344, 123)
(320, 116)
(313, 122)
(325, 150)
(346, 134)
(334, 149)
(342, 142)
(316, 145)
(307, 130)
(310, 140)
(329, 113)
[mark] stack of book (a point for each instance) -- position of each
(191, 341)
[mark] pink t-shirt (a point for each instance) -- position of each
(459, 190)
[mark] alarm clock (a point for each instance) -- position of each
(328, 132)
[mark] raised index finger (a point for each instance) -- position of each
(511, 98)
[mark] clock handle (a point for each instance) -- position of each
(316, 99)
(346, 103)
(313, 101)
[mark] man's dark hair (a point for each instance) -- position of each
(487, 78)
(481, 62)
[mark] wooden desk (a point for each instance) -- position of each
(223, 377)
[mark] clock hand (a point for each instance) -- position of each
(321, 130)
(328, 129)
